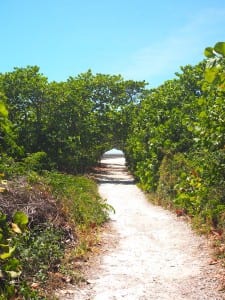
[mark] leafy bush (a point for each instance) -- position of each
(176, 141)
(10, 265)
(36, 251)
(79, 197)
(35, 162)
(40, 251)
(172, 168)
(195, 183)
(9, 167)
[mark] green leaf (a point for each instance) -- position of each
(209, 52)
(210, 74)
(13, 264)
(2, 218)
(3, 110)
(220, 48)
(8, 254)
(14, 274)
(21, 219)
(16, 228)
(4, 247)
(202, 101)
(203, 114)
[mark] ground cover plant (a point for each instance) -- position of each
(60, 214)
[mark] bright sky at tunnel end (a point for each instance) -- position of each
(139, 39)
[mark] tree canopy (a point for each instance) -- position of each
(74, 122)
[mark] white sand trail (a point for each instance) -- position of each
(151, 254)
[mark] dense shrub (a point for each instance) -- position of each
(79, 197)
(195, 183)
(36, 162)
(40, 251)
(176, 143)
(57, 205)
(74, 122)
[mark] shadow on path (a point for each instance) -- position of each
(148, 253)
(109, 171)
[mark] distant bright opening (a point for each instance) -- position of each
(113, 152)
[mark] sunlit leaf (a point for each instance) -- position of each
(16, 228)
(4, 182)
(203, 114)
(2, 189)
(20, 218)
(14, 274)
(220, 48)
(4, 247)
(8, 254)
(13, 264)
(209, 52)
(3, 110)
(210, 74)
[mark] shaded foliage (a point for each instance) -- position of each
(176, 143)
(73, 122)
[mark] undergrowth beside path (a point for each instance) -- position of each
(64, 213)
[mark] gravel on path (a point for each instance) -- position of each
(149, 253)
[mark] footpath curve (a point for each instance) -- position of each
(149, 252)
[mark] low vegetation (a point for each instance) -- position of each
(47, 222)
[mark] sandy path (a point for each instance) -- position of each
(151, 254)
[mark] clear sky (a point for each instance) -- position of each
(139, 39)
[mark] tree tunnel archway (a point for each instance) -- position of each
(73, 122)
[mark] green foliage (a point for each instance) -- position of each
(28, 293)
(175, 145)
(162, 125)
(214, 72)
(24, 89)
(7, 137)
(32, 164)
(10, 265)
(3, 110)
(80, 198)
(9, 167)
(37, 161)
(20, 219)
(195, 184)
(172, 169)
(40, 251)
(209, 52)
(73, 122)
(220, 48)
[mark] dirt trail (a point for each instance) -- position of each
(150, 254)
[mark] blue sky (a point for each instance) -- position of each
(139, 39)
